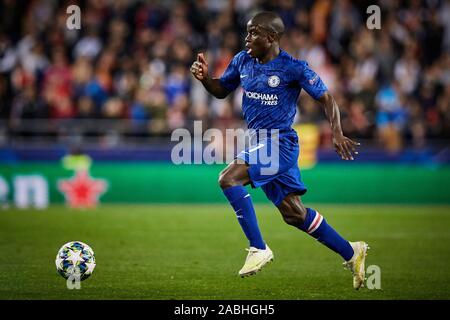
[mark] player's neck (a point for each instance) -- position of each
(271, 54)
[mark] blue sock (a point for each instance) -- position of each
(316, 226)
(241, 202)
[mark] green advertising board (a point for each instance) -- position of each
(142, 182)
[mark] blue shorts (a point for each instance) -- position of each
(279, 175)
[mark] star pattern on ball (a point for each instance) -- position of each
(74, 257)
(82, 191)
(58, 261)
(90, 267)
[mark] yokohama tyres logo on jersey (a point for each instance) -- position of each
(265, 98)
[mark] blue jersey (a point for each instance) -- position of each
(271, 90)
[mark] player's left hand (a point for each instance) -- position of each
(345, 146)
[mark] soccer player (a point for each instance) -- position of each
(272, 81)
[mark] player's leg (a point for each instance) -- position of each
(255, 166)
(312, 222)
(232, 181)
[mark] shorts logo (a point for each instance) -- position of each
(273, 81)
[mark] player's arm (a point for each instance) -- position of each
(343, 145)
(200, 71)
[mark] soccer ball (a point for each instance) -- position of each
(75, 258)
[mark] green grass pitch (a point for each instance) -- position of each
(195, 252)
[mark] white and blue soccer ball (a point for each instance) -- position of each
(75, 258)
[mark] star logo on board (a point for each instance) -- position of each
(82, 191)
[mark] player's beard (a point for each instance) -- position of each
(257, 50)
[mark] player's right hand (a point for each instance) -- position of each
(200, 67)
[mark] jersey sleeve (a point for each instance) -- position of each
(310, 81)
(231, 77)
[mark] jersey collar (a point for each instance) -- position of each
(271, 61)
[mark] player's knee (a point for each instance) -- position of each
(226, 181)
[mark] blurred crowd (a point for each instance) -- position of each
(130, 60)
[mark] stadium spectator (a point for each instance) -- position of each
(130, 61)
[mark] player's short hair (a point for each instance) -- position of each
(270, 21)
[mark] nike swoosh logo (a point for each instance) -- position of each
(243, 75)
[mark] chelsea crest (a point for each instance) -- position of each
(273, 81)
